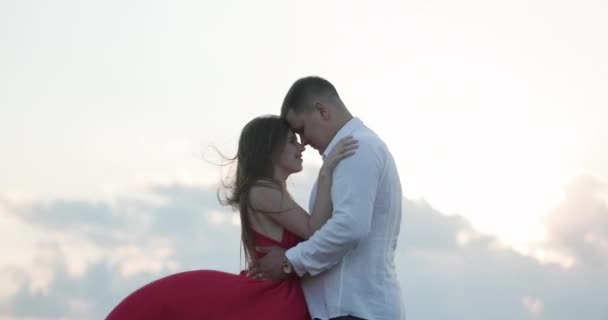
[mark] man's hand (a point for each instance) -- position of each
(270, 266)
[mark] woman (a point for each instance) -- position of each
(268, 154)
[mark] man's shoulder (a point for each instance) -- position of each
(369, 139)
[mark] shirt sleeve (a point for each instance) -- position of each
(353, 193)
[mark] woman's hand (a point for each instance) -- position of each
(345, 148)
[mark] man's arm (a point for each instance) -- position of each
(353, 194)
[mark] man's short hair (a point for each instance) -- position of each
(305, 92)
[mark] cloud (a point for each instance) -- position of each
(449, 270)
(579, 226)
(88, 255)
(533, 306)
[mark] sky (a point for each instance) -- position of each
(494, 111)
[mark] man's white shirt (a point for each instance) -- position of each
(347, 266)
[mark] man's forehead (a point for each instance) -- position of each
(294, 119)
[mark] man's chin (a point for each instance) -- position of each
(319, 150)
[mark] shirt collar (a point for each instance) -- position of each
(347, 129)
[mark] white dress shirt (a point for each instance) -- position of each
(347, 266)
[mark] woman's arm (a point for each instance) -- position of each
(322, 207)
(282, 209)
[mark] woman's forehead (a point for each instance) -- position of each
(293, 135)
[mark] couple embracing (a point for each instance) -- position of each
(335, 261)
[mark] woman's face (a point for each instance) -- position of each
(290, 159)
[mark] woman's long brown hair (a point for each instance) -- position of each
(261, 142)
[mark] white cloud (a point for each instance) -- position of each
(578, 226)
(152, 258)
(11, 279)
(446, 267)
(533, 306)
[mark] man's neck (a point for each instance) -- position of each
(340, 123)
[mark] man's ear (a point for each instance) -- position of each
(322, 109)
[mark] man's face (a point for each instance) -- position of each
(309, 127)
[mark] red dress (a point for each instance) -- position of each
(208, 294)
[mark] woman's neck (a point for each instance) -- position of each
(281, 177)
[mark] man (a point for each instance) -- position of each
(347, 266)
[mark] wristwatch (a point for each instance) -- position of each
(287, 269)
